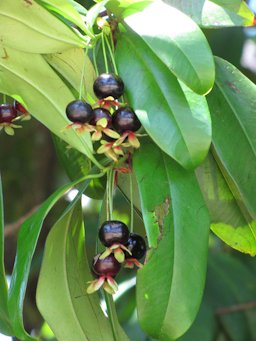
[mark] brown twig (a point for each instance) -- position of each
(235, 308)
(11, 229)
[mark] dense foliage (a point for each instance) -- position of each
(138, 107)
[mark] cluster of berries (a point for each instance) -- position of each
(10, 113)
(121, 247)
(112, 123)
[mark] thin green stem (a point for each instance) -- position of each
(81, 88)
(111, 313)
(107, 198)
(131, 202)
(111, 192)
(94, 61)
(111, 55)
(104, 52)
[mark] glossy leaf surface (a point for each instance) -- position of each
(227, 219)
(29, 27)
(215, 13)
(27, 239)
(232, 106)
(169, 115)
(124, 8)
(168, 292)
(67, 10)
(178, 42)
(44, 93)
(5, 325)
(80, 316)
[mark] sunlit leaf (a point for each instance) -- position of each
(29, 27)
(44, 93)
(178, 42)
(215, 13)
(169, 114)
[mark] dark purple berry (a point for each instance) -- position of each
(137, 245)
(7, 113)
(125, 119)
(108, 84)
(112, 232)
(108, 266)
(19, 107)
(100, 113)
(79, 111)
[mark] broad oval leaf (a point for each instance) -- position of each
(178, 42)
(170, 116)
(171, 283)
(232, 105)
(29, 27)
(61, 293)
(44, 93)
(215, 13)
(227, 219)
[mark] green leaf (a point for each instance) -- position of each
(170, 116)
(44, 93)
(124, 8)
(68, 11)
(61, 293)
(177, 225)
(5, 325)
(27, 239)
(178, 42)
(227, 219)
(70, 64)
(29, 27)
(94, 11)
(234, 143)
(215, 13)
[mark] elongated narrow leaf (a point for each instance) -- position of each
(178, 42)
(65, 9)
(215, 13)
(5, 325)
(234, 143)
(44, 93)
(76, 67)
(171, 283)
(29, 27)
(227, 219)
(70, 312)
(27, 239)
(180, 128)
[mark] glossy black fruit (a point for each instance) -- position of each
(137, 245)
(108, 266)
(108, 84)
(7, 113)
(79, 111)
(99, 113)
(112, 232)
(125, 119)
